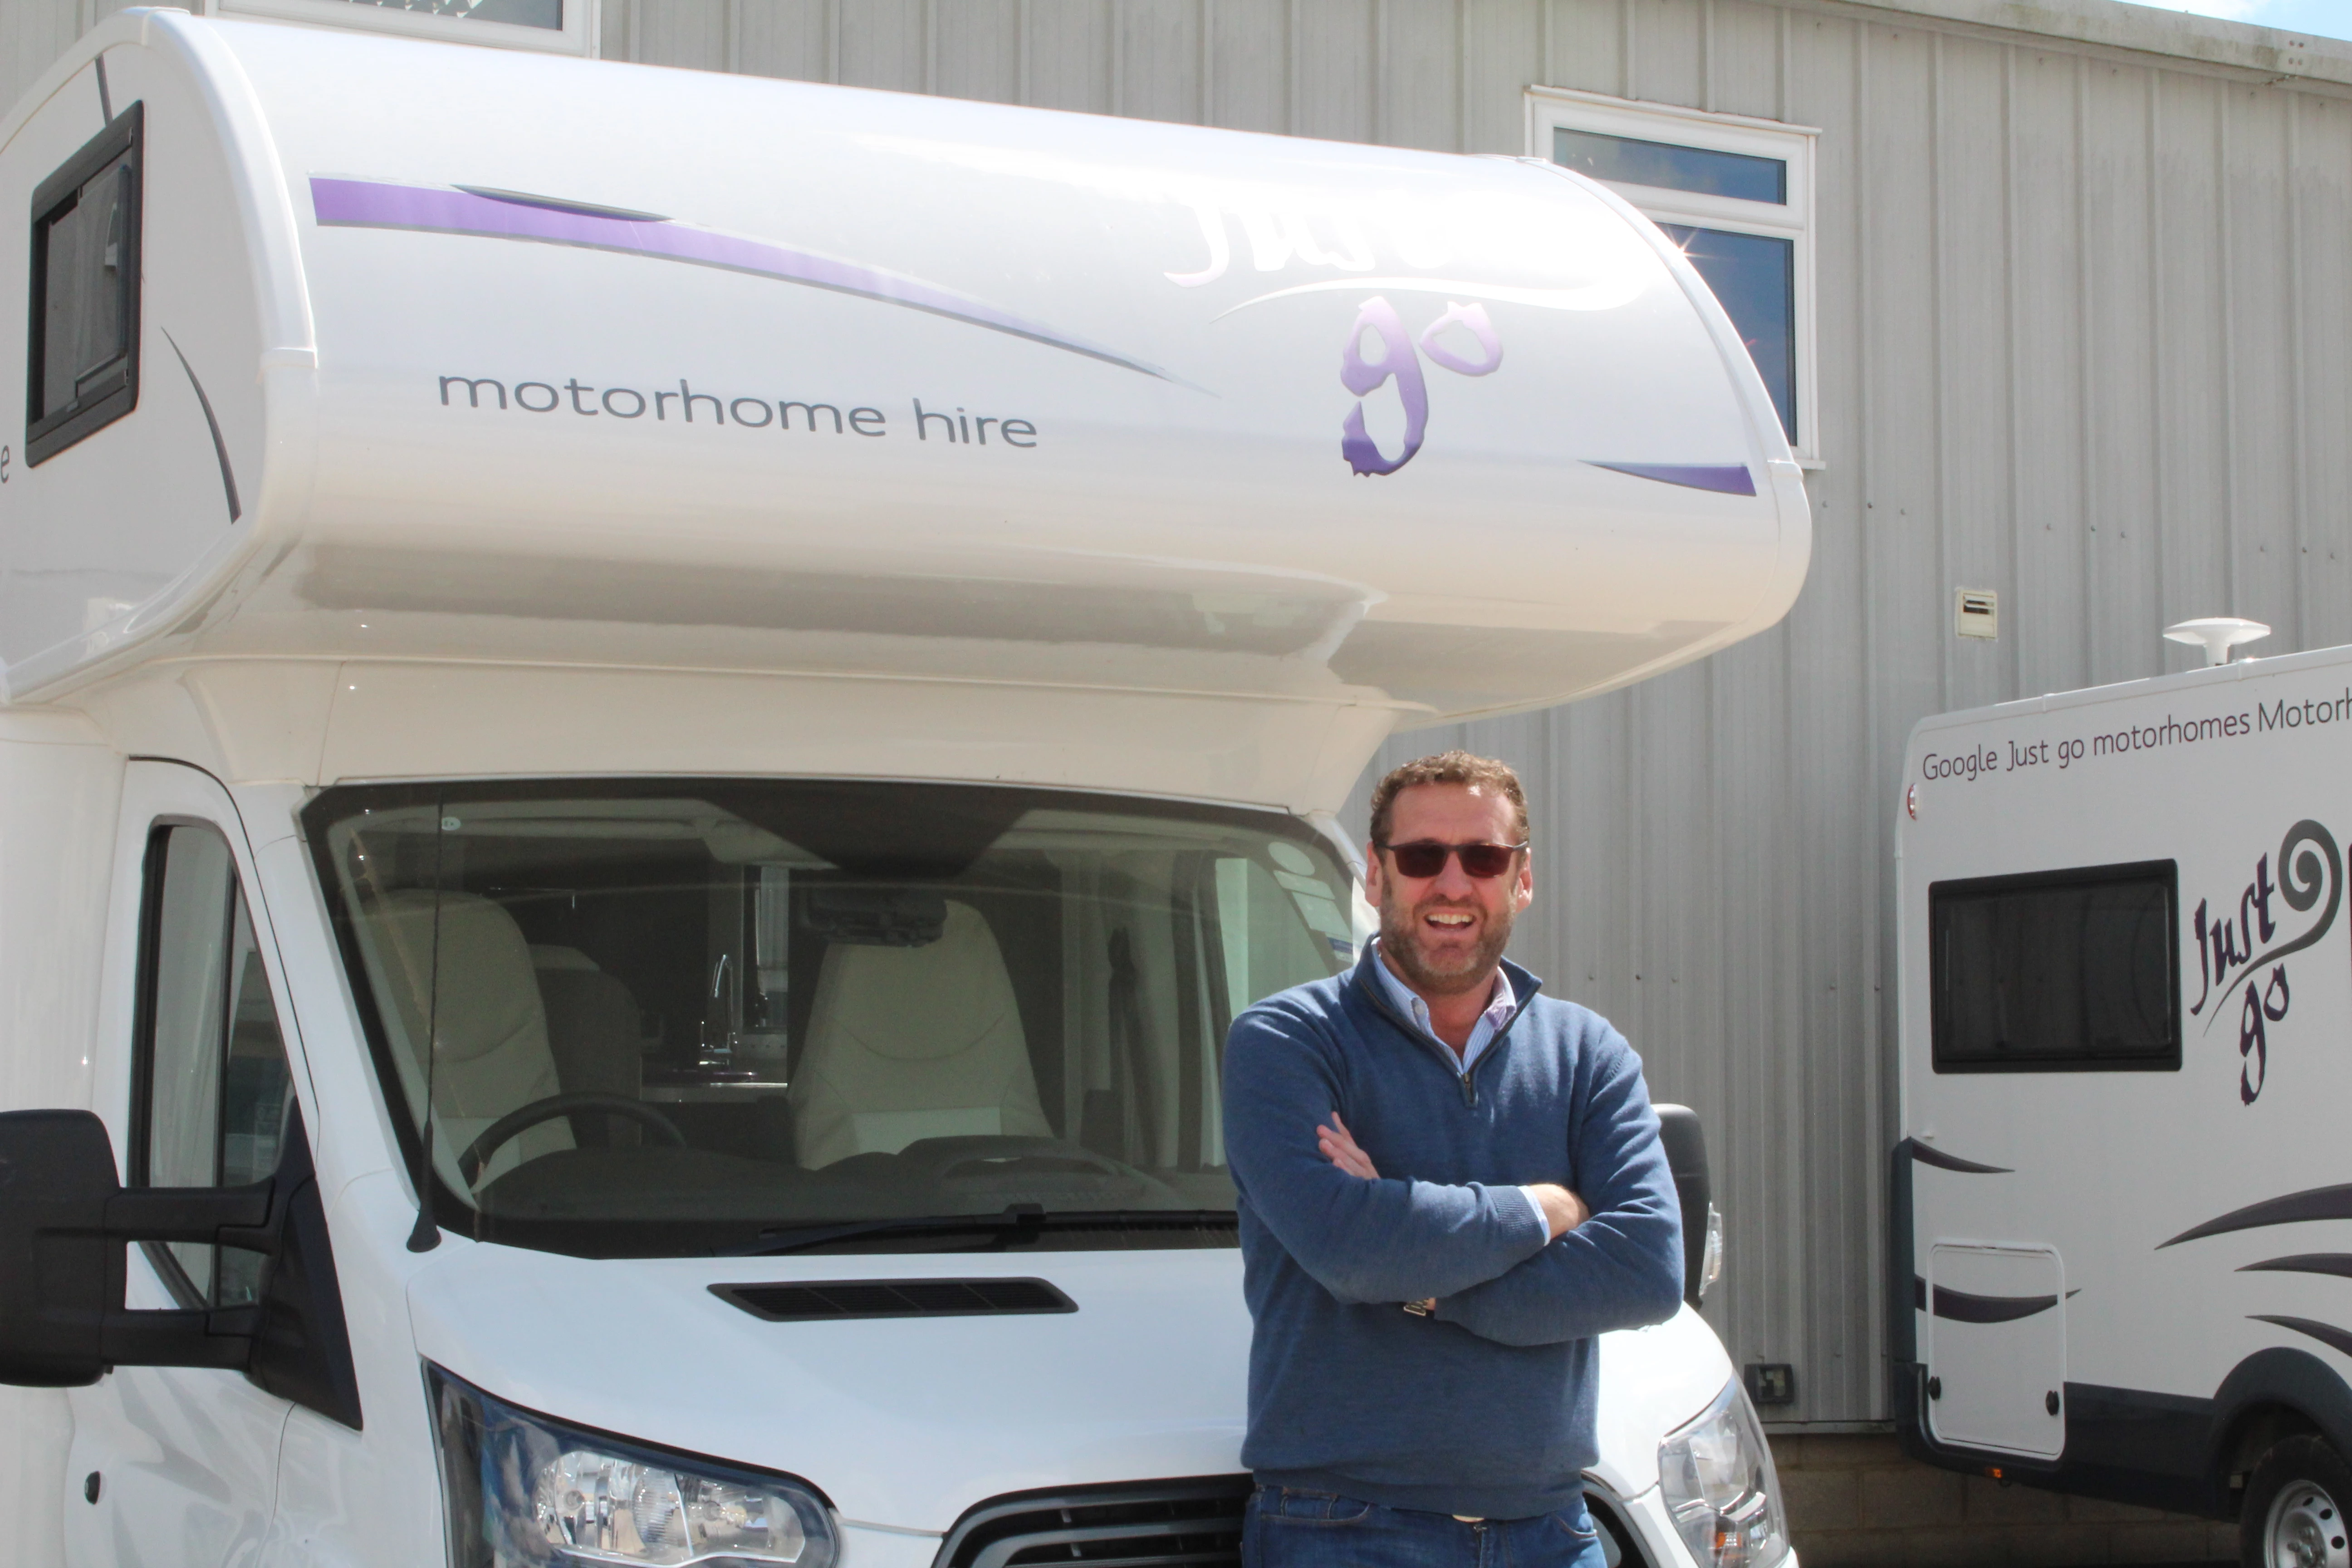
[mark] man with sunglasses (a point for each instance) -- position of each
(1450, 1185)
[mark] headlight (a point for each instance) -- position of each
(524, 1491)
(1718, 1484)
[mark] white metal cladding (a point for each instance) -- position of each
(2086, 337)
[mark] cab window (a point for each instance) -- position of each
(212, 1093)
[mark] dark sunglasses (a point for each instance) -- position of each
(1479, 861)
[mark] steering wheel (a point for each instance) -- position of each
(477, 1153)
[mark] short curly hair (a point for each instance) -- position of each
(1456, 767)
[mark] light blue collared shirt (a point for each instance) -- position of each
(1501, 1008)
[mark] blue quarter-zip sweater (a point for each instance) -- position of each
(1485, 1408)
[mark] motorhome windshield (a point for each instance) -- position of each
(668, 1018)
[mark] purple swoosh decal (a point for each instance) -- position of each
(2294, 1208)
(2334, 1338)
(1928, 1155)
(512, 215)
(557, 204)
(1730, 479)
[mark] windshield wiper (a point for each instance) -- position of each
(1017, 1222)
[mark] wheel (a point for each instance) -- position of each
(477, 1154)
(2294, 1509)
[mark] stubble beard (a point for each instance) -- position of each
(1400, 943)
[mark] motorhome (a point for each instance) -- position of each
(2119, 1204)
(652, 724)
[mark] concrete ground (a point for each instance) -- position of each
(1856, 1501)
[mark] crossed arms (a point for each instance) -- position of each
(1477, 1251)
(1562, 1210)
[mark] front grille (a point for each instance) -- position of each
(1193, 1523)
(836, 1299)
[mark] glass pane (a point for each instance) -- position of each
(257, 1093)
(1630, 161)
(86, 273)
(518, 12)
(1754, 277)
(190, 971)
(1275, 938)
(817, 1002)
(2046, 971)
(218, 1089)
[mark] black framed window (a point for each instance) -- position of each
(83, 338)
(211, 1094)
(2074, 971)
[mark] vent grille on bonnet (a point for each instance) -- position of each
(815, 1301)
(1193, 1524)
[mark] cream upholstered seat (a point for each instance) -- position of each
(490, 1050)
(592, 1031)
(906, 1043)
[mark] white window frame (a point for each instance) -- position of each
(576, 37)
(1556, 108)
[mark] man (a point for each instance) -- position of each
(1449, 1186)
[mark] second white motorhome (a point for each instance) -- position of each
(2122, 1204)
(653, 721)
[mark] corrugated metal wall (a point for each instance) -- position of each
(2085, 319)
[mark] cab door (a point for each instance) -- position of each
(177, 1467)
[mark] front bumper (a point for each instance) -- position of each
(1644, 1520)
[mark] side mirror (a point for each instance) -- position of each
(66, 1221)
(62, 1320)
(1685, 1141)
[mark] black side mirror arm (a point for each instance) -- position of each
(219, 1216)
(223, 1217)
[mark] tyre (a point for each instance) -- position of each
(2295, 1505)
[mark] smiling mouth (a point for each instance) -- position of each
(1451, 920)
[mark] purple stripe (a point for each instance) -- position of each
(1730, 479)
(2328, 1334)
(433, 209)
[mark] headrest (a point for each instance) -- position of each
(488, 994)
(548, 955)
(921, 1004)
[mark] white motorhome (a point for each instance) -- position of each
(654, 720)
(2124, 995)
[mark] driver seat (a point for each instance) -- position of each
(490, 1046)
(906, 1043)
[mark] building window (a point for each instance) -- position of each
(82, 340)
(2056, 971)
(1736, 195)
(559, 27)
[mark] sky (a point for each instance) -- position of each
(2327, 19)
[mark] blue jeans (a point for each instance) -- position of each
(1286, 1527)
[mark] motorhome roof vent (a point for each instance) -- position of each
(1191, 1524)
(818, 1300)
(2217, 634)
